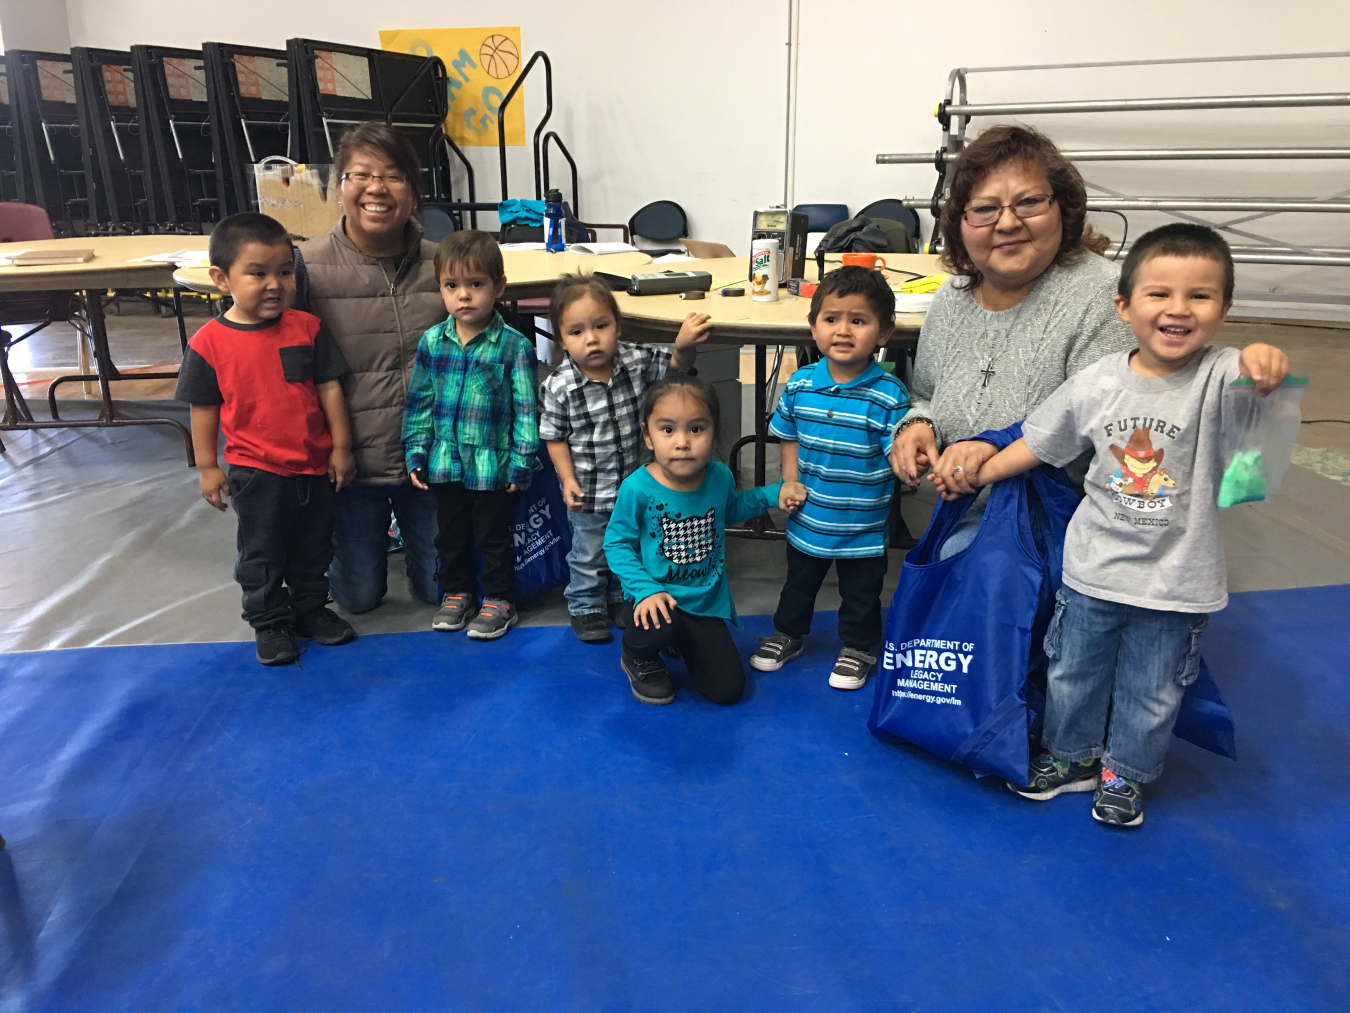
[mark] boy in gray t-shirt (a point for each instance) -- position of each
(1143, 564)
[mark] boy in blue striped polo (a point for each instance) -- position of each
(835, 419)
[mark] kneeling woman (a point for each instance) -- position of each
(666, 541)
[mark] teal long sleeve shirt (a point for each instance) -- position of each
(661, 539)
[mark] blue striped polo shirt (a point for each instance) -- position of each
(843, 434)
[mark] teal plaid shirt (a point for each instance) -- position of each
(471, 415)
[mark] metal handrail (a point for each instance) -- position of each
(451, 147)
(941, 157)
(553, 136)
(548, 111)
(947, 109)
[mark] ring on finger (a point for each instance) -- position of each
(957, 468)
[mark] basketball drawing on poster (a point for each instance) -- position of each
(481, 65)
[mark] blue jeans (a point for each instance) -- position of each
(592, 587)
(1117, 676)
(359, 574)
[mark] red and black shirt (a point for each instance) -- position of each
(264, 377)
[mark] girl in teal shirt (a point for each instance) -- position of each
(666, 543)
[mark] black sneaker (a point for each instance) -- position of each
(1051, 777)
(649, 679)
(592, 628)
(276, 645)
(776, 651)
(621, 613)
(324, 627)
(1119, 802)
(852, 669)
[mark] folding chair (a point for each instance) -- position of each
(176, 137)
(248, 94)
(105, 95)
(50, 150)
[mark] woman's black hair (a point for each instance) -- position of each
(685, 383)
(389, 143)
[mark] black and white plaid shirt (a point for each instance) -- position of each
(601, 422)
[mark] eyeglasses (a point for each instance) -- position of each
(393, 180)
(982, 215)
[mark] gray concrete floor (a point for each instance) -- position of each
(106, 540)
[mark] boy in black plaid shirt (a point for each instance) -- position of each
(589, 419)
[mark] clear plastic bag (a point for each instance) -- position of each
(1258, 439)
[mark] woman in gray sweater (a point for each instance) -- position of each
(1028, 305)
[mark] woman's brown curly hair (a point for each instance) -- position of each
(998, 146)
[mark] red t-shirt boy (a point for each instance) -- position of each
(269, 375)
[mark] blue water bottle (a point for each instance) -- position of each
(554, 239)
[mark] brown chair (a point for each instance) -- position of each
(22, 223)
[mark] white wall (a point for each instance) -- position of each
(687, 101)
(34, 24)
(910, 66)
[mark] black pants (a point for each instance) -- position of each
(859, 590)
(705, 644)
(468, 519)
(285, 543)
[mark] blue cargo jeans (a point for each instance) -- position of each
(592, 587)
(1117, 676)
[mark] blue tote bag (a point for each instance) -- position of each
(959, 636)
(540, 534)
(980, 702)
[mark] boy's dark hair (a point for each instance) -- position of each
(231, 233)
(572, 287)
(1180, 239)
(685, 383)
(473, 251)
(390, 143)
(857, 281)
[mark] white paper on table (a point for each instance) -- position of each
(521, 246)
(916, 302)
(179, 258)
(9, 260)
(670, 258)
(600, 249)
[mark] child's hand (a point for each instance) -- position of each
(572, 494)
(694, 331)
(1265, 365)
(654, 607)
(791, 495)
(512, 487)
(215, 489)
(341, 467)
(419, 480)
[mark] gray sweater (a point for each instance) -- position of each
(1066, 323)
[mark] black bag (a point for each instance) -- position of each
(868, 235)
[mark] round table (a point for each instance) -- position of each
(742, 320)
(112, 267)
(530, 274)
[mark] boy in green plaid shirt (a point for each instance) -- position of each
(471, 433)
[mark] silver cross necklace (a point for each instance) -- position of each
(988, 371)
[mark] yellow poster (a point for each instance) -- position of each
(481, 66)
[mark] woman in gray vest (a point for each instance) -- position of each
(1029, 304)
(372, 280)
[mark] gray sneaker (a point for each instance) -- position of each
(775, 651)
(493, 620)
(454, 612)
(852, 669)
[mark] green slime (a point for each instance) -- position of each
(1244, 481)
